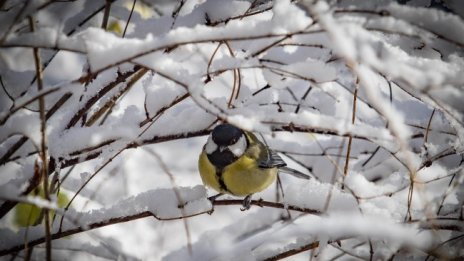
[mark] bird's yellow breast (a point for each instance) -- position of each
(208, 172)
(241, 178)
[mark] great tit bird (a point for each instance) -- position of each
(235, 162)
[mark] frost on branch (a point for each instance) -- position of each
(365, 96)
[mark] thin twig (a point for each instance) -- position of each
(176, 12)
(426, 136)
(343, 251)
(109, 160)
(237, 79)
(210, 61)
(350, 138)
(166, 170)
(448, 191)
(16, 108)
(43, 146)
(128, 19)
(177, 100)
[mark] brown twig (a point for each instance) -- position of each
(237, 79)
(350, 138)
(426, 136)
(106, 14)
(210, 61)
(43, 146)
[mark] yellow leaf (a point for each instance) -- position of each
(115, 27)
(26, 215)
(30, 215)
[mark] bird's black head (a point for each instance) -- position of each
(226, 134)
(225, 145)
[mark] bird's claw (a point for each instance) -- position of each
(246, 203)
(212, 199)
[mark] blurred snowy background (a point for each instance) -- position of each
(117, 97)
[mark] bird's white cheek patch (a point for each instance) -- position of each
(239, 147)
(210, 145)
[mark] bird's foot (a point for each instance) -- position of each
(246, 203)
(212, 199)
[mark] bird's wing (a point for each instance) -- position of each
(272, 160)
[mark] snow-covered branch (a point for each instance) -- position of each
(364, 96)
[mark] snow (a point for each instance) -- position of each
(290, 71)
(247, 123)
(313, 195)
(26, 124)
(216, 11)
(160, 96)
(65, 144)
(436, 21)
(282, 236)
(282, 10)
(314, 70)
(165, 207)
(18, 60)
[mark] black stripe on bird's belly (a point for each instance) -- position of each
(221, 182)
(220, 160)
